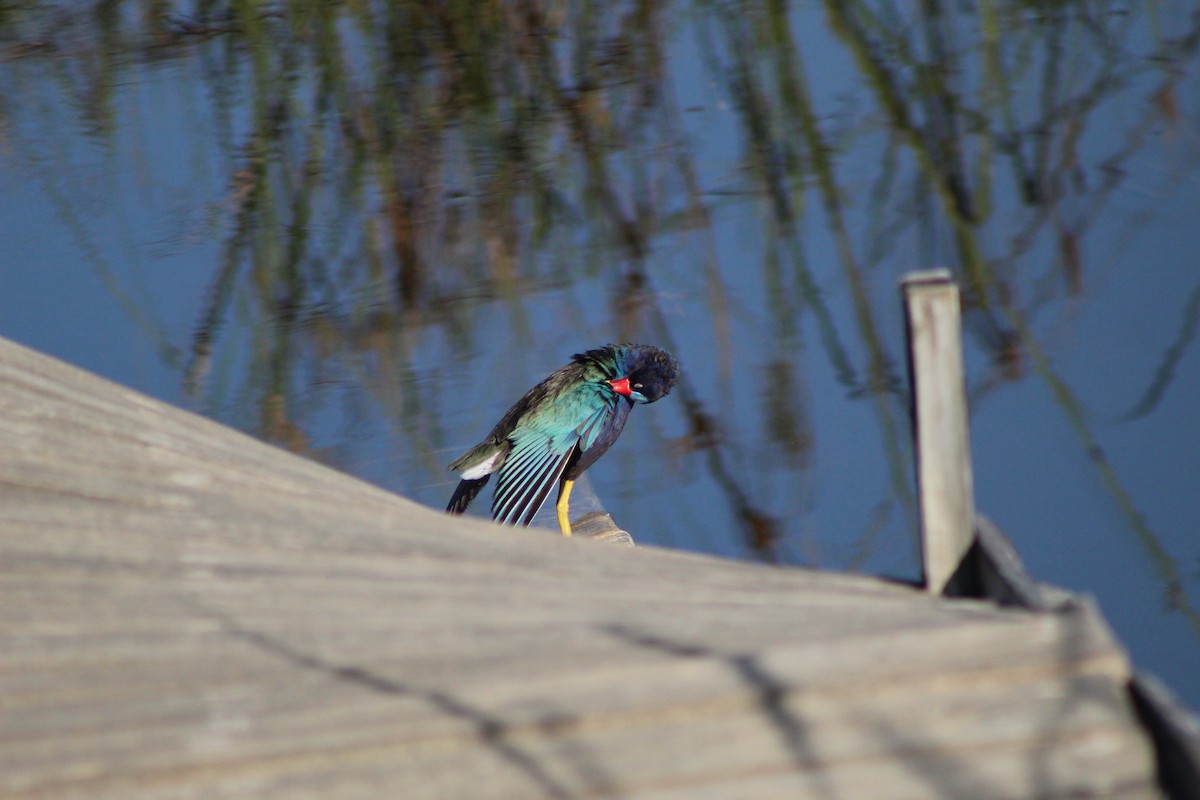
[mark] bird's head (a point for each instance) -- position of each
(649, 374)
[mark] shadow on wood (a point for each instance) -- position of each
(188, 613)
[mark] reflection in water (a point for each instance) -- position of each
(405, 211)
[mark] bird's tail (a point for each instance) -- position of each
(465, 493)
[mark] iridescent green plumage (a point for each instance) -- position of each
(560, 427)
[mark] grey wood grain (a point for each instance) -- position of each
(188, 613)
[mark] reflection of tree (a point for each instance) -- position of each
(393, 169)
(943, 104)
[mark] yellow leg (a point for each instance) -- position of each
(564, 519)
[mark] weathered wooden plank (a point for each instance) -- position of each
(944, 482)
(188, 613)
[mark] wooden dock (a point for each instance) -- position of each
(186, 612)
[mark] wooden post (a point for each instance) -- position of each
(943, 450)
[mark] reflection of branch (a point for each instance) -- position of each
(139, 313)
(1164, 564)
(881, 380)
(762, 533)
(893, 98)
(1166, 368)
(1054, 137)
(699, 219)
(770, 162)
(179, 28)
(705, 433)
(220, 291)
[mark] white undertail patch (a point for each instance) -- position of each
(479, 470)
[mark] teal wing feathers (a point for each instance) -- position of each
(526, 478)
(541, 449)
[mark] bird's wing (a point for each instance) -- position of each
(535, 464)
(533, 467)
(593, 426)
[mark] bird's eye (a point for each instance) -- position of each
(637, 386)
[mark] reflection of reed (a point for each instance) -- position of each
(395, 169)
(933, 118)
(1165, 373)
(782, 171)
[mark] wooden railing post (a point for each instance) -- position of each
(943, 450)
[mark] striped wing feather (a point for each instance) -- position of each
(534, 466)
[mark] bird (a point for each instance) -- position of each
(559, 428)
